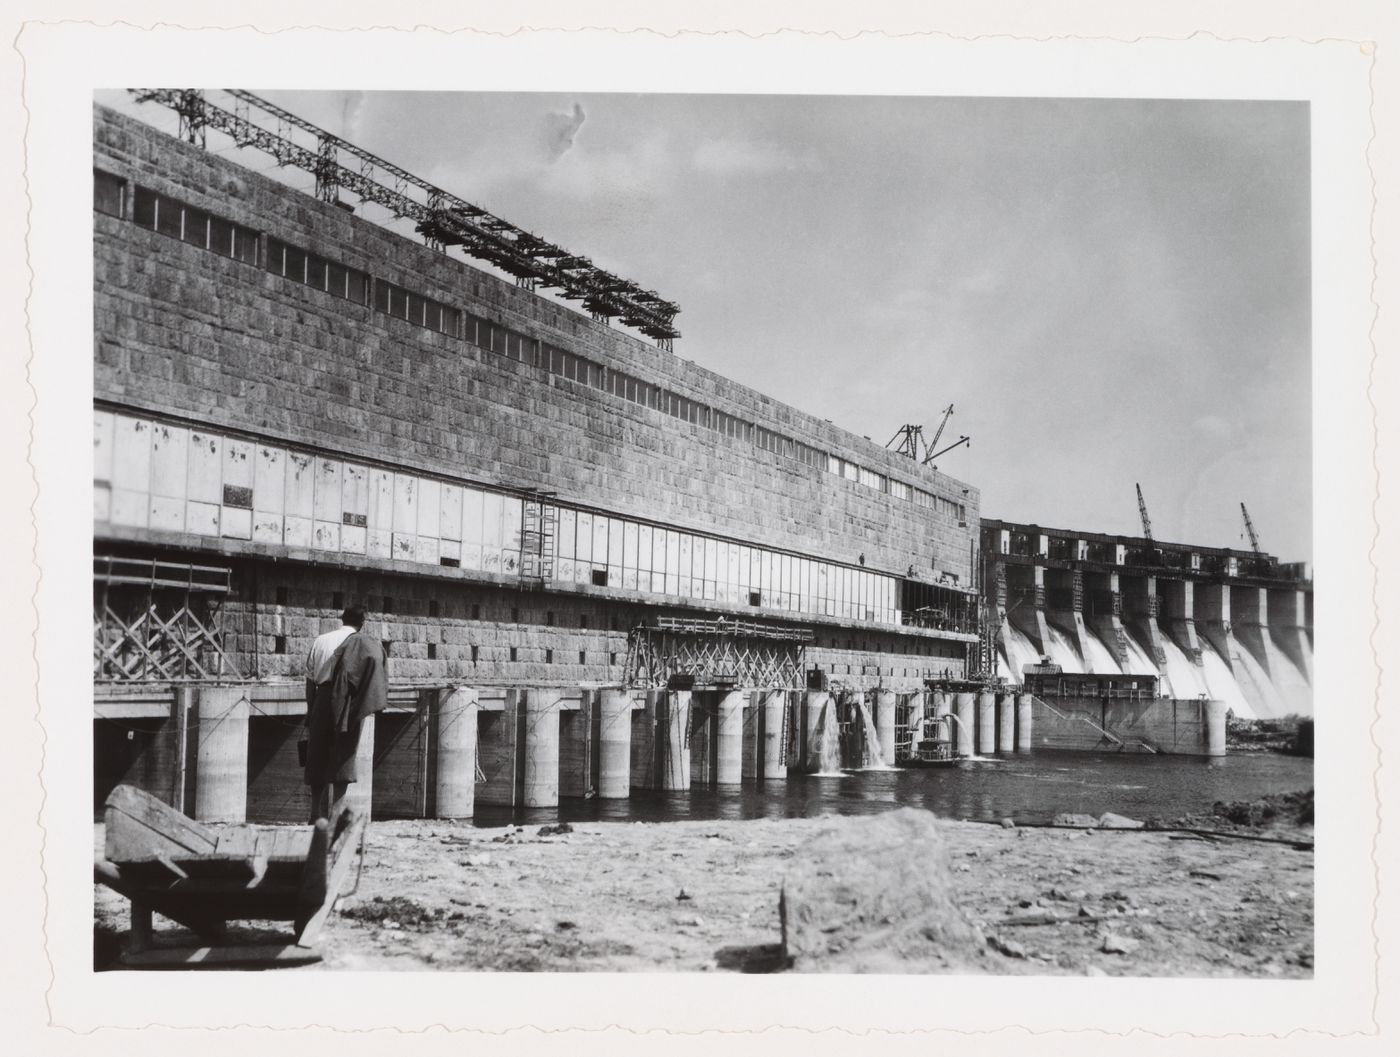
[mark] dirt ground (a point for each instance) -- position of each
(693, 896)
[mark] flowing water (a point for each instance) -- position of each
(874, 758)
(1028, 788)
(1258, 681)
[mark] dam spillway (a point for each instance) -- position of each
(1206, 622)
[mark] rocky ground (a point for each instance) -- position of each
(703, 896)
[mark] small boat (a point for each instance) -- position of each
(933, 744)
(203, 877)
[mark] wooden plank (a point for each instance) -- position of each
(312, 896)
(263, 955)
(140, 826)
(342, 856)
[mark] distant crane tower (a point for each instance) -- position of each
(1142, 512)
(1249, 529)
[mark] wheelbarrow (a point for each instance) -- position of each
(203, 877)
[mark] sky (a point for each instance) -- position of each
(1109, 292)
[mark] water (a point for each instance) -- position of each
(1032, 788)
(874, 758)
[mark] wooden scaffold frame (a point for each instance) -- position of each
(158, 621)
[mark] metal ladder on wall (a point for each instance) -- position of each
(537, 542)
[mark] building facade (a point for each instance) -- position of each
(296, 408)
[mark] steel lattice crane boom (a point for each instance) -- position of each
(1249, 529)
(1142, 512)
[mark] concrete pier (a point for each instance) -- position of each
(1025, 723)
(753, 735)
(646, 749)
(542, 711)
(884, 723)
(614, 744)
(1006, 723)
(454, 788)
(673, 741)
(221, 759)
(965, 725)
(776, 714)
(918, 701)
(986, 723)
(1215, 727)
(728, 730)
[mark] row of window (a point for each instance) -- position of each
(195, 226)
(149, 474)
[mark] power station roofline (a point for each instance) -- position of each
(440, 217)
(995, 524)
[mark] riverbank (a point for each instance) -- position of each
(703, 896)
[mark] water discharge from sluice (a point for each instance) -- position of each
(1252, 686)
(828, 741)
(874, 758)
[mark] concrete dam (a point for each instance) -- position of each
(1205, 622)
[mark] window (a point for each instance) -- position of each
(108, 193)
(413, 308)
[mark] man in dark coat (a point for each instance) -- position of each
(346, 681)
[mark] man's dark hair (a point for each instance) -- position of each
(353, 616)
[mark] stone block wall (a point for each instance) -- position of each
(184, 332)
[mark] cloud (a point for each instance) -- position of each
(560, 130)
(734, 157)
(350, 110)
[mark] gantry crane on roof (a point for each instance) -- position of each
(910, 440)
(441, 218)
(1142, 513)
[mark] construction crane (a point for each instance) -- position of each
(932, 453)
(1249, 529)
(910, 439)
(1142, 512)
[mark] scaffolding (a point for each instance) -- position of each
(158, 621)
(718, 653)
(441, 218)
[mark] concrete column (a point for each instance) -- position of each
(753, 734)
(884, 724)
(645, 727)
(1006, 722)
(775, 717)
(454, 792)
(361, 792)
(673, 735)
(820, 745)
(728, 742)
(965, 727)
(1025, 723)
(986, 723)
(615, 745)
(1215, 728)
(499, 736)
(221, 759)
(542, 709)
(918, 700)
